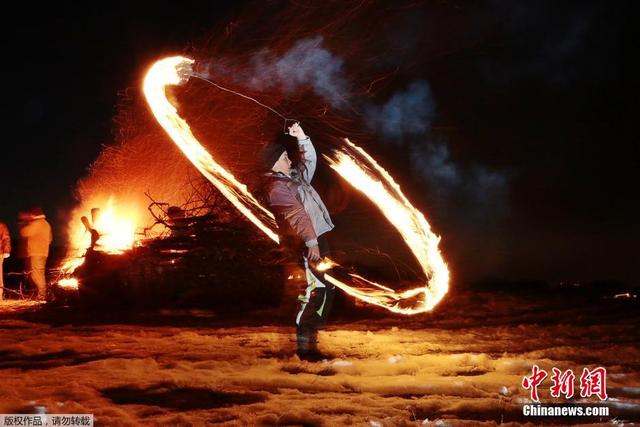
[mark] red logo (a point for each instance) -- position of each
(534, 381)
(592, 382)
(562, 383)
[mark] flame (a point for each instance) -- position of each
(117, 228)
(352, 163)
(70, 283)
(325, 264)
(116, 224)
(171, 71)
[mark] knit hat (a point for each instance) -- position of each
(271, 153)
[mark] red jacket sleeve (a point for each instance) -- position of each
(286, 205)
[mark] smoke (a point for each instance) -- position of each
(432, 163)
(306, 65)
(405, 119)
(408, 113)
(478, 190)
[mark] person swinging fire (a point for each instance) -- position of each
(303, 221)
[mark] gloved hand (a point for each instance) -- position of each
(296, 131)
(184, 71)
(314, 254)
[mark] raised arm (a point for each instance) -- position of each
(307, 150)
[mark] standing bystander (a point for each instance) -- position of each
(5, 251)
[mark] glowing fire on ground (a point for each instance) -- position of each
(352, 163)
(116, 225)
(70, 283)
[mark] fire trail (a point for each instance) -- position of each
(352, 163)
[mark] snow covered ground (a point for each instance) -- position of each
(461, 365)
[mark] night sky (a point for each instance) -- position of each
(540, 91)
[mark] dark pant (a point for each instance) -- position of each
(37, 274)
(315, 302)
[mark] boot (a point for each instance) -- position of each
(306, 340)
(307, 346)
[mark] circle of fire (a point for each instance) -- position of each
(351, 162)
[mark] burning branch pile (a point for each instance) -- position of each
(195, 254)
